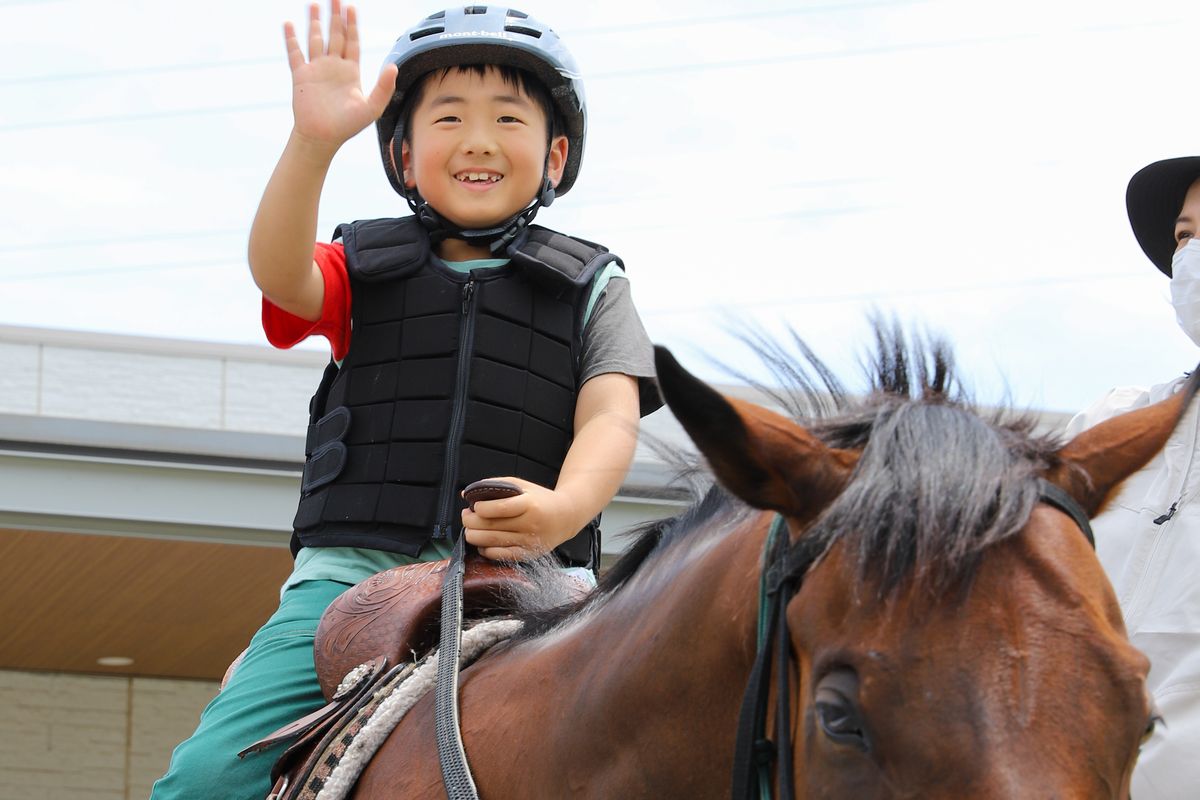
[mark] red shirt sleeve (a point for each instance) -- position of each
(284, 330)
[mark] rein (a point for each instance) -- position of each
(456, 773)
(784, 567)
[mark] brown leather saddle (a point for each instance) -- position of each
(395, 614)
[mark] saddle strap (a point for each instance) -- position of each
(303, 772)
(358, 681)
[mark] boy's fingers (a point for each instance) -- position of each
(381, 95)
(316, 45)
(494, 519)
(337, 29)
(295, 55)
(504, 553)
(485, 538)
(352, 52)
(506, 508)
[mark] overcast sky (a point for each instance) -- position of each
(959, 163)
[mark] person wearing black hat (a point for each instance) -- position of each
(1148, 538)
(467, 343)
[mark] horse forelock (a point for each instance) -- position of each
(938, 481)
(935, 486)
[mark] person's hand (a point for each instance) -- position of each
(327, 99)
(522, 527)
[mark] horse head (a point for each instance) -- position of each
(951, 634)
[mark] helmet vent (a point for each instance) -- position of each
(437, 15)
(512, 12)
(522, 29)
(475, 10)
(421, 34)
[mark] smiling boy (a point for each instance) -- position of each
(466, 342)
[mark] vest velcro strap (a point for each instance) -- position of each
(323, 466)
(383, 249)
(332, 427)
(556, 253)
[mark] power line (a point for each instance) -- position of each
(711, 66)
(106, 271)
(326, 225)
(608, 30)
(28, 247)
(151, 115)
(856, 297)
(810, 300)
(676, 68)
(123, 72)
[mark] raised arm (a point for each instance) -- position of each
(328, 108)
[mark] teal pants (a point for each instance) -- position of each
(275, 684)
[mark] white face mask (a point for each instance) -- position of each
(1185, 288)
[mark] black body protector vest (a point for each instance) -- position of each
(450, 378)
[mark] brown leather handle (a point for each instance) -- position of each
(489, 489)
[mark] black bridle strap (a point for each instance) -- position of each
(753, 752)
(752, 755)
(1054, 496)
(783, 699)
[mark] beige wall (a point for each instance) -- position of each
(82, 737)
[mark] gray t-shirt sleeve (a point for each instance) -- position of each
(615, 340)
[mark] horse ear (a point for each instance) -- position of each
(764, 458)
(1095, 462)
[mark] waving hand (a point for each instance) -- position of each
(327, 98)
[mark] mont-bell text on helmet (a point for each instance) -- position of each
(472, 34)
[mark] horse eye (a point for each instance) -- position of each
(1155, 720)
(838, 718)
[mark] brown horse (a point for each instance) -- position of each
(955, 636)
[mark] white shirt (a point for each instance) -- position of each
(1148, 540)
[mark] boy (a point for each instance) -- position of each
(1148, 537)
(466, 343)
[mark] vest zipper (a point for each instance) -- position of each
(466, 343)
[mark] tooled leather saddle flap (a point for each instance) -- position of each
(395, 614)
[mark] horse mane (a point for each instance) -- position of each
(938, 480)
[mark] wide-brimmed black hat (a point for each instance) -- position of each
(1153, 199)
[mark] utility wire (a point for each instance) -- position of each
(857, 297)
(667, 24)
(33, 247)
(711, 66)
(151, 115)
(103, 272)
(808, 300)
(326, 225)
(667, 69)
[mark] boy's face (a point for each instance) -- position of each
(1187, 226)
(478, 147)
